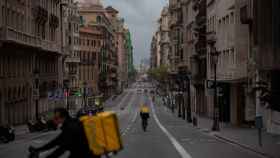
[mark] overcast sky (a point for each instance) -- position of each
(141, 17)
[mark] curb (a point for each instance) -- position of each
(28, 137)
(222, 138)
(233, 142)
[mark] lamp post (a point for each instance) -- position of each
(188, 89)
(178, 95)
(194, 73)
(66, 88)
(215, 57)
(172, 88)
(36, 93)
(182, 92)
(84, 93)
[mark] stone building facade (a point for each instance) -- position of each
(153, 55)
(29, 42)
(94, 16)
(262, 19)
(230, 38)
(122, 55)
(164, 37)
(71, 59)
(245, 33)
(90, 47)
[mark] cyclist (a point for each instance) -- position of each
(145, 115)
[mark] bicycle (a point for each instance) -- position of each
(144, 124)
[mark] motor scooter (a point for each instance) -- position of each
(7, 133)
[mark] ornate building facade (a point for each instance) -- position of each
(30, 50)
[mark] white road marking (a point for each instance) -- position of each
(121, 102)
(183, 153)
(125, 131)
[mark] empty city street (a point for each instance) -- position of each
(167, 136)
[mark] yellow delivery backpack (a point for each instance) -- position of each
(144, 109)
(102, 132)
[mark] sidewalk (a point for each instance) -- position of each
(21, 130)
(245, 137)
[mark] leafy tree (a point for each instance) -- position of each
(160, 73)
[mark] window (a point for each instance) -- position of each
(69, 26)
(227, 19)
(3, 14)
(232, 18)
(43, 31)
(8, 16)
(98, 19)
(13, 19)
(233, 56)
(70, 40)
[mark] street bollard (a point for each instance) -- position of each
(259, 126)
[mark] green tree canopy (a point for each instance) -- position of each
(160, 73)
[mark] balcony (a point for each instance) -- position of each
(73, 60)
(11, 35)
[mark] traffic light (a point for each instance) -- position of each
(66, 94)
(78, 94)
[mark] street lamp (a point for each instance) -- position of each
(178, 94)
(215, 57)
(36, 92)
(188, 89)
(66, 93)
(173, 90)
(194, 73)
(84, 94)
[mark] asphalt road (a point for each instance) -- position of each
(167, 136)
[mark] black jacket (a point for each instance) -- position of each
(73, 139)
(144, 115)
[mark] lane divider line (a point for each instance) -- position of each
(124, 132)
(180, 149)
